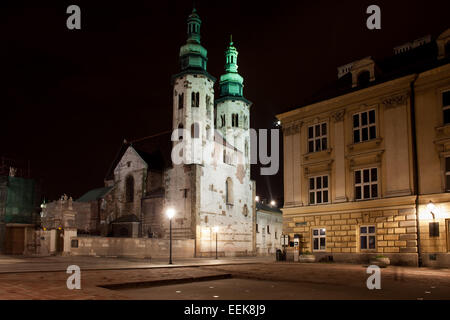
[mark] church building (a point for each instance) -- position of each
(201, 171)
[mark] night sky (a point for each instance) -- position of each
(70, 97)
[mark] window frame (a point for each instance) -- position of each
(446, 174)
(370, 183)
(367, 235)
(321, 189)
(444, 107)
(315, 137)
(361, 126)
(319, 236)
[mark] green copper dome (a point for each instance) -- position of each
(231, 83)
(193, 55)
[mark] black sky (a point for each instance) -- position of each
(69, 97)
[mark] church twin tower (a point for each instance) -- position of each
(193, 99)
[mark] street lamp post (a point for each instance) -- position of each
(216, 229)
(170, 213)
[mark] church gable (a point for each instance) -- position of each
(131, 161)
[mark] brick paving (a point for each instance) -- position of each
(52, 285)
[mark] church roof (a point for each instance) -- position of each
(94, 194)
(263, 207)
(415, 60)
(155, 150)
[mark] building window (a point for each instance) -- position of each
(223, 122)
(208, 106)
(317, 137)
(181, 101)
(195, 99)
(229, 191)
(268, 230)
(446, 106)
(318, 190)
(235, 120)
(434, 229)
(276, 236)
(257, 230)
(129, 189)
(245, 210)
(195, 130)
(319, 239)
(447, 174)
(367, 237)
(364, 78)
(364, 127)
(366, 184)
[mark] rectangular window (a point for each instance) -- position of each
(434, 229)
(317, 137)
(446, 106)
(364, 127)
(367, 237)
(319, 239)
(447, 174)
(276, 237)
(366, 183)
(318, 190)
(257, 228)
(268, 230)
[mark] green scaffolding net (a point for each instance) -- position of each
(20, 200)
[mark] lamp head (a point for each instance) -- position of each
(170, 212)
(215, 229)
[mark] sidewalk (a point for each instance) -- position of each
(18, 264)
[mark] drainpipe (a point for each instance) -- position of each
(415, 165)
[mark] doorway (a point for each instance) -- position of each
(15, 240)
(59, 240)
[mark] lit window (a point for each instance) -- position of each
(364, 127)
(317, 137)
(319, 239)
(366, 183)
(446, 106)
(367, 237)
(318, 190)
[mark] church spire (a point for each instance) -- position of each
(231, 82)
(194, 23)
(193, 56)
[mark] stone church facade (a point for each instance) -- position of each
(202, 170)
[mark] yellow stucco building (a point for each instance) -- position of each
(360, 162)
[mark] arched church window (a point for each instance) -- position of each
(195, 99)
(245, 210)
(195, 130)
(208, 106)
(129, 189)
(181, 101)
(222, 118)
(180, 132)
(235, 120)
(229, 191)
(363, 78)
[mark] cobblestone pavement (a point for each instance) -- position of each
(413, 282)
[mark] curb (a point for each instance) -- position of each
(165, 282)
